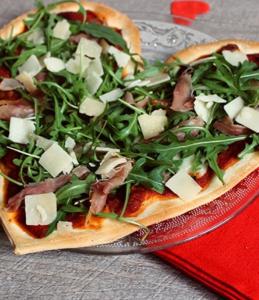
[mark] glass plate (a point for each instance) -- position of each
(160, 40)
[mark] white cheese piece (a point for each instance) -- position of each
(40, 209)
(184, 186)
(54, 64)
(109, 165)
(137, 82)
(42, 142)
(112, 95)
(89, 48)
(74, 158)
(249, 117)
(210, 98)
(233, 108)
(27, 80)
(36, 37)
(186, 165)
(77, 65)
(56, 160)
(64, 226)
(62, 30)
(70, 143)
(10, 84)
(234, 57)
(32, 66)
(20, 130)
(96, 67)
(121, 58)
(202, 110)
(93, 82)
(152, 125)
(107, 149)
(158, 79)
(92, 107)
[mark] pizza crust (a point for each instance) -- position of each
(192, 53)
(112, 230)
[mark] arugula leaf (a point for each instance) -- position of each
(104, 32)
(249, 148)
(60, 217)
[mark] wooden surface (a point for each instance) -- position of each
(70, 275)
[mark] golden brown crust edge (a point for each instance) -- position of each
(113, 230)
(194, 52)
(112, 17)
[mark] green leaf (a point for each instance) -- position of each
(69, 208)
(60, 217)
(251, 147)
(104, 32)
(75, 189)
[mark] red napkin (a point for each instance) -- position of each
(227, 259)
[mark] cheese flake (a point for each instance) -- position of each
(56, 160)
(88, 48)
(202, 110)
(20, 130)
(184, 186)
(93, 82)
(210, 98)
(40, 209)
(64, 226)
(78, 64)
(92, 107)
(32, 66)
(233, 108)
(234, 57)
(152, 125)
(108, 165)
(54, 64)
(121, 58)
(70, 143)
(158, 79)
(10, 84)
(96, 67)
(112, 95)
(62, 30)
(27, 80)
(36, 37)
(249, 117)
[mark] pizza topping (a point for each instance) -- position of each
(112, 95)
(36, 37)
(27, 80)
(20, 130)
(152, 125)
(54, 64)
(108, 166)
(121, 57)
(233, 108)
(62, 30)
(92, 107)
(183, 185)
(234, 57)
(47, 186)
(15, 108)
(227, 126)
(64, 226)
(249, 117)
(9, 84)
(182, 95)
(193, 121)
(56, 160)
(40, 209)
(31, 66)
(101, 189)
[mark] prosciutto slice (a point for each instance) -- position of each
(101, 189)
(227, 126)
(15, 108)
(193, 121)
(46, 186)
(182, 94)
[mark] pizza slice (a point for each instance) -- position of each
(84, 169)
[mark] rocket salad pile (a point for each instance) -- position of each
(79, 127)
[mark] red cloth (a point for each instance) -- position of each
(227, 259)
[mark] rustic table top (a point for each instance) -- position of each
(70, 275)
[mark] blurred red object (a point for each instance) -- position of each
(185, 12)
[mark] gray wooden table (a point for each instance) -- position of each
(69, 275)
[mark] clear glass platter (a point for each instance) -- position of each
(160, 40)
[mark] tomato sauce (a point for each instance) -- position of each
(77, 16)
